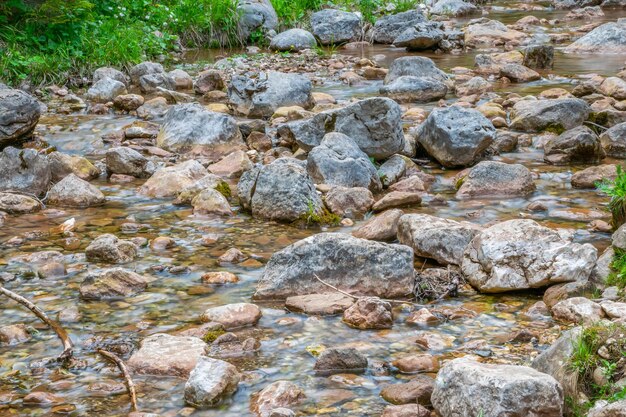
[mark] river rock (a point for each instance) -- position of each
(233, 316)
(209, 80)
(108, 248)
(126, 161)
(293, 40)
(614, 310)
(467, 388)
(578, 145)
(144, 68)
(397, 199)
(492, 33)
(332, 26)
(453, 8)
(107, 72)
(340, 361)
(349, 202)
(61, 165)
(113, 283)
(339, 161)
(423, 35)
(163, 354)
(262, 96)
(19, 114)
(382, 227)
(415, 66)
(589, 177)
(555, 114)
(388, 27)
(354, 265)
(278, 394)
(71, 191)
(456, 136)
(519, 73)
(192, 128)
(417, 390)
(169, 181)
(105, 90)
(369, 313)
(14, 334)
(521, 254)
(128, 102)
(497, 179)
(613, 141)
(406, 410)
(538, 56)
(24, 170)
(407, 89)
(443, 240)
(414, 364)
(22, 204)
(319, 304)
(609, 38)
(393, 169)
(373, 123)
(255, 15)
(281, 191)
(577, 310)
(210, 381)
(211, 201)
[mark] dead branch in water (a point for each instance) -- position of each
(355, 297)
(130, 385)
(68, 346)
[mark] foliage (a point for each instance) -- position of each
(224, 189)
(318, 216)
(616, 189)
(617, 277)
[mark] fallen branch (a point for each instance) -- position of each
(130, 385)
(355, 297)
(68, 346)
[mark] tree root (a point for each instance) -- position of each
(130, 385)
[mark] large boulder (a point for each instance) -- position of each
(456, 136)
(170, 181)
(443, 240)
(521, 254)
(408, 89)
(578, 145)
(464, 387)
(553, 114)
(113, 283)
(71, 191)
(19, 114)
(106, 90)
(389, 27)
(256, 15)
(354, 265)
(415, 66)
(281, 191)
(165, 355)
(339, 161)
(613, 141)
(210, 381)
(293, 40)
(497, 179)
(262, 96)
(192, 128)
(421, 36)
(335, 26)
(374, 124)
(453, 8)
(610, 38)
(24, 170)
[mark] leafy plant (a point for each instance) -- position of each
(616, 189)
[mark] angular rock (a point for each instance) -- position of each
(415, 66)
(169, 181)
(21, 204)
(339, 361)
(319, 304)
(497, 179)
(578, 145)
(24, 170)
(369, 313)
(293, 40)
(278, 394)
(467, 388)
(521, 254)
(256, 15)
(388, 27)
(613, 141)
(211, 201)
(454, 8)
(105, 90)
(492, 33)
(397, 199)
(210, 80)
(609, 38)
(71, 191)
(335, 26)
(19, 114)
(162, 354)
(113, 283)
(578, 310)
(114, 74)
(423, 35)
(144, 68)
(382, 227)
(354, 265)
(519, 73)
(61, 165)
(108, 248)
(589, 177)
(539, 56)
(210, 382)
(349, 202)
(456, 136)
(126, 161)
(616, 409)
(408, 89)
(554, 114)
(233, 316)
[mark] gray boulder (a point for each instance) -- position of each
(293, 40)
(497, 179)
(211, 381)
(389, 27)
(614, 141)
(464, 387)
(151, 83)
(554, 114)
(521, 254)
(24, 170)
(578, 145)
(453, 8)
(349, 202)
(19, 114)
(340, 361)
(113, 283)
(71, 191)
(256, 15)
(335, 26)
(105, 90)
(339, 161)
(354, 265)
(144, 68)
(408, 89)
(163, 354)
(538, 56)
(61, 165)
(262, 96)
(443, 240)
(108, 248)
(456, 136)
(171, 181)
(192, 128)
(424, 35)
(374, 124)
(112, 73)
(281, 191)
(416, 66)
(126, 161)
(610, 38)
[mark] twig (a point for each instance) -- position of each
(596, 125)
(355, 297)
(68, 346)
(130, 385)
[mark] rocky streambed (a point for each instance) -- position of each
(356, 231)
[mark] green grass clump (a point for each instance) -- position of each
(321, 217)
(211, 335)
(224, 189)
(617, 277)
(616, 189)
(555, 128)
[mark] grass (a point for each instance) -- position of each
(617, 277)
(616, 189)
(321, 217)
